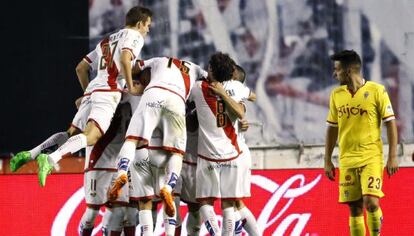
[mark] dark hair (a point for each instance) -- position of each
(241, 73)
(222, 66)
(347, 58)
(137, 14)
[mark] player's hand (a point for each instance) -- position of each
(136, 89)
(330, 170)
(244, 125)
(78, 102)
(217, 88)
(392, 166)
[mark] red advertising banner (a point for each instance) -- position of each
(299, 202)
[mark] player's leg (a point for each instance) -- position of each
(140, 129)
(126, 154)
(174, 140)
(371, 183)
(95, 197)
(88, 221)
(130, 220)
(103, 106)
(227, 207)
(187, 190)
(173, 169)
(145, 217)
(105, 219)
(247, 219)
(207, 189)
(209, 217)
(24, 156)
(116, 220)
(178, 217)
(350, 193)
(193, 220)
(356, 218)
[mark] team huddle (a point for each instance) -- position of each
(165, 130)
(171, 134)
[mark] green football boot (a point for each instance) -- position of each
(19, 159)
(45, 168)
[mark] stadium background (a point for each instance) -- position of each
(284, 47)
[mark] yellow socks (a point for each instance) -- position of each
(374, 221)
(357, 225)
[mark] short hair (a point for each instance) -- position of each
(137, 14)
(222, 66)
(347, 58)
(241, 73)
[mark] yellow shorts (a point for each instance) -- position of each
(357, 182)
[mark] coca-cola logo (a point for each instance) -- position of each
(275, 218)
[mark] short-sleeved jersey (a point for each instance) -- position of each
(173, 75)
(359, 117)
(103, 155)
(218, 130)
(92, 59)
(108, 56)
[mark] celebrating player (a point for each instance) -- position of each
(115, 53)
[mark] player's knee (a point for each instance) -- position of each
(88, 218)
(356, 208)
(115, 222)
(227, 203)
(145, 204)
(371, 203)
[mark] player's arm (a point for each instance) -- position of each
(330, 142)
(126, 58)
(82, 71)
(392, 135)
(232, 106)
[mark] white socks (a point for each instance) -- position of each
(238, 229)
(210, 220)
(74, 144)
(57, 138)
(251, 224)
(228, 222)
(169, 224)
(125, 156)
(174, 165)
(145, 220)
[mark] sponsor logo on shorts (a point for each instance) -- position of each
(348, 183)
(220, 165)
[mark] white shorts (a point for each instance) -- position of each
(96, 185)
(163, 109)
(81, 116)
(186, 184)
(218, 180)
(146, 180)
(99, 107)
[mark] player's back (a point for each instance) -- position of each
(173, 74)
(109, 75)
(218, 130)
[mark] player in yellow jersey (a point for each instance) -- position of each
(356, 112)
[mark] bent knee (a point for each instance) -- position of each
(371, 203)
